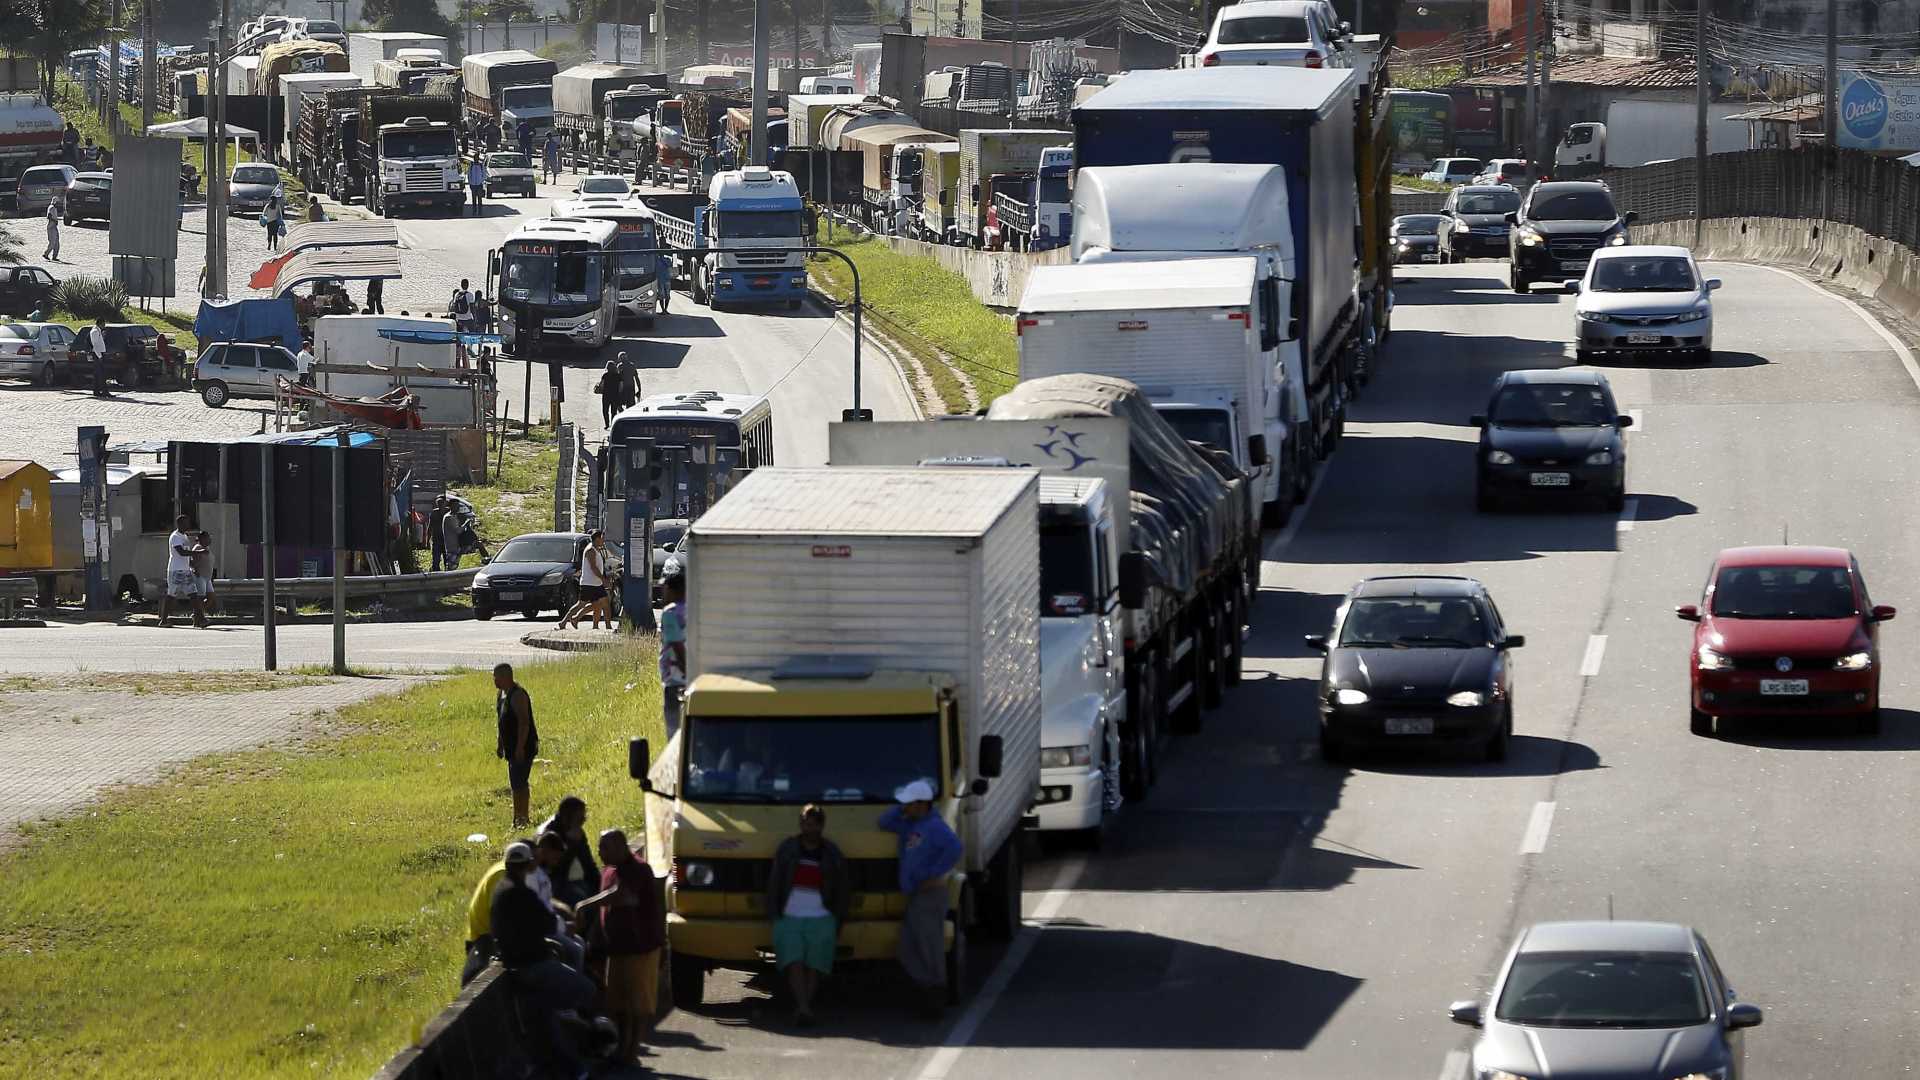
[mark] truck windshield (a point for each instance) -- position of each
(418, 144)
(670, 113)
(626, 108)
(1066, 571)
(1053, 189)
(538, 274)
(809, 759)
(526, 97)
(1210, 426)
(758, 224)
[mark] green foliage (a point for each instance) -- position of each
(12, 250)
(565, 52)
(90, 298)
(50, 29)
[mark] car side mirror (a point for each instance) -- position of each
(1512, 218)
(1883, 612)
(1630, 217)
(1513, 641)
(1466, 1013)
(1741, 1015)
(639, 760)
(1478, 419)
(991, 756)
(1316, 642)
(1713, 283)
(1623, 420)
(1257, 450)
(1573, 285)
(1688, 612)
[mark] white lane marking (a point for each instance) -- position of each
(1893, 341)
(1534, 840)
(1276, 546)
(1596, 651)
(1454, 1067)
(1627, 510)
(1639, 420)
(942, 1061)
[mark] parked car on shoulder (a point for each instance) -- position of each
(251, 186)
(90, 197)
(509, 171)
(25, 289)
(1553, 433)
(534, 573)
(1453, 170)
(131, 359)
(33, 350)
(1476, 222)
(227, 370)
(1643, 298)
(41, 185)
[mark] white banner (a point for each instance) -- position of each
(628, 48)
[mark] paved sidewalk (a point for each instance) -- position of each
(63, 747)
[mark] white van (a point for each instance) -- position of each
(827, 84)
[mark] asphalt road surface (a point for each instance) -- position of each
(424, 646)
(1267, 914)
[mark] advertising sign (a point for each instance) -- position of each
(1879, 113)
(624, 42)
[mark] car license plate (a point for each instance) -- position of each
(1783, 687)
(1574, 264)
(510, 597)
(1551, 479)
(1417, 725)
(1431, 256)
(1642, 337)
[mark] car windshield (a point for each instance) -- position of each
(1210, 426)
(760, 224)
(507, 161)
(1416, 226)
(1066, 571)
(548, 549)
(1635, 274)
(1264, 29)
(1783, 592)
(604, 185)
(1488, 202)
(1414, 622)
(1551, 405)
(1604, 990)
(256, 174)
(812, 759)
(1573, 206)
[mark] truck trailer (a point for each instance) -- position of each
(987, 154)
(366, 50)
(507, 88)
(299, 89)
(579, 99)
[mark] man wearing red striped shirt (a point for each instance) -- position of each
(808, 896)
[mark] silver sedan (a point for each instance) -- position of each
(1644, 298)
(1609, 1001)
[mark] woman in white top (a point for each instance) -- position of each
(593, 585)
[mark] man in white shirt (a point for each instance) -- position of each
(97, 341)
(180, 581)
(305, 357)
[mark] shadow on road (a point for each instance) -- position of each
(1899, 730)
(1474, 290)
(1660, 507)
(1527, 755)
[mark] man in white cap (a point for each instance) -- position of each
(929, 852)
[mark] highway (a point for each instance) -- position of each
(1267, 914)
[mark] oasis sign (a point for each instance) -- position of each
(1879, 113)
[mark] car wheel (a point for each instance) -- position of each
(214, 394)
(482, 613)
(46, 374)
(1333, 750)
(1617, 501)
(1867, 723)
(532, 613)
(128, 378)
(1582, 355)
(1518, 280)
(1700, 723)
(688, 979)
(1497, 744)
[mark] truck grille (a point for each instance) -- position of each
(425, 178)
(759, 258)
(750, 875)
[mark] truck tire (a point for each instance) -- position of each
(1137, 735)
(957, 953)
(1005, 891)
(687, 978)
(1213, 657)
(1234, 657)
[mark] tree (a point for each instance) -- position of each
(10, 249)
(54, 28)
(417, 16)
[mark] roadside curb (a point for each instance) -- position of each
(879, 341)
(575, 640)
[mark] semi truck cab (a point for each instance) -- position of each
(419, 165)
(533, 104)
(750, 210)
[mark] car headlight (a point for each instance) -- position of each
(1467, 699)
(1712, 661)
(1859, 661)
(479, 579)
(1065, 757)
(554, 577)
(1499, 457)
(1498, 1074)
(1462, 227)
(1592, 316)
(1707, 1074)
(1695, 315)
(1349, 696)
(1619, 239)
(696, 875)
(1530, 239)
(1600, 457)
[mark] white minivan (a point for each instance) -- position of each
(231, 369)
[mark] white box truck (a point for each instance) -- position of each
(857, 630)
(1638, 132)
(300, 85)
(365, 51)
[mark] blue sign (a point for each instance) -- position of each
(1863, 109)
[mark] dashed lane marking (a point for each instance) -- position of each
(1596, 651)
(1534, 840)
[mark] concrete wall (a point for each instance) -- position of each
(998, 278)
(1841, 254)
(474, 1036)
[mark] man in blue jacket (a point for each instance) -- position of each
(929, 852)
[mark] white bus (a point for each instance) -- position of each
(563, 267)
(645, 271)
(740, 423)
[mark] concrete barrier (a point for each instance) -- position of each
(477, 1035)
(997, 278)
(1841, 254)
(1416, 202)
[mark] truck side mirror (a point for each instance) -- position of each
(991, 753)
(639, 760)
(1630, 216)
(1257, 451)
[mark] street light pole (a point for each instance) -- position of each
(217, 161)
(761, 34)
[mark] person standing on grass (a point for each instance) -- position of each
(808, 897)
(437, 519)
(55, 208)
(578, 877)
(519, 739)
(593, 585)
(522, 925)
(451, 530)
(633, 930)
(180, 580)
(929, 851)
(477, 183)
(673, 650)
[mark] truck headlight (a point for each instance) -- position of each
(554, 577)
(1065, 757)
(1858, 661)
(695, 875)
(1709, 660)
(1349, 696)
(1467, 699)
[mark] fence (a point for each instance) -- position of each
(951, 122)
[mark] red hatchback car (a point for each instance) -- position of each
(1785, 631)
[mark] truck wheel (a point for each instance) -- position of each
(1518, 280)
(1005, 890)
(1213, 658)
(1276, 514)
(957, 954)
(700, 293)
(688, 979)
(1234, 655)
(1137, 734)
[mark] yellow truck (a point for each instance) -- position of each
(854, 630)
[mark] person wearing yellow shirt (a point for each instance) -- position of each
(480, 912)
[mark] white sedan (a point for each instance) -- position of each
(1277, 33)
(36, 351)
(1643, 298)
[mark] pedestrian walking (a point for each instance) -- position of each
(608, 387)
(477, 182)
(632, 928)
(808, 896)
(522, 925)
(97, 344)
(552, 157)
(461, 305)
(203, 570)
(673, 650)
(929, 851)
(55, 208)
(578, 876)
(629, 382)
(270, 217)
(519, 739)
(593, 585)
(375, 291)
(436, 520)
(180, 579)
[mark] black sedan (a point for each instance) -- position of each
(1414, 238)
(534, 573)
(1475, 224)
(1552, 433)
(1416, 661)
(90, 196)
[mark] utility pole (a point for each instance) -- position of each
(1013, 66)
(660, 35)
(795, 6)
(826, 30)
(761, 15)
(1533, 53)
(217, 160)
(1541, 138)
(149, 59)
(700, 31)
(1701, 93)
(110, 101)
(1832, 100)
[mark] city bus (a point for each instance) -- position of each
(645, 273)
(559, 271)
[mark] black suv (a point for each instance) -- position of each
(122, 368)
(1559, 225)
(1475, 224)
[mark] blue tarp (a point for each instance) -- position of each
(248, 320)
(440, 337)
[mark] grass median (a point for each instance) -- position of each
(281, 913)
(931, 312)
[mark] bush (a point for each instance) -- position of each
(564, 53)
(91, 297)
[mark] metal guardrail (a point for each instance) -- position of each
(376, 586)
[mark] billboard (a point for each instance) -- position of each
(146, 176)
(1878, 113)
(624, 41)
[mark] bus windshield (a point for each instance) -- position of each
(638, 262)
(542, 272)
